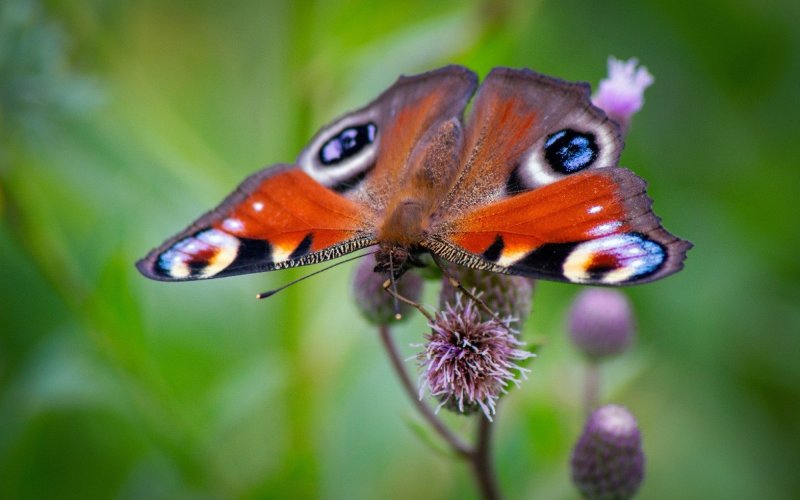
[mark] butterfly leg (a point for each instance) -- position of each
(389, 287)
(457, 284)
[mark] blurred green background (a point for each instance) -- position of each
(121, 121)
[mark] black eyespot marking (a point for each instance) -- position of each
(347, 143)
(569, 151)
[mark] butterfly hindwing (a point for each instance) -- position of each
(528, 130)
(384, 135)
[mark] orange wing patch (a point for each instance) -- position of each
(579, 208)
(594, 227)
(286, 208)
(277, 218)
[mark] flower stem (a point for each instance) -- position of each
(479, 456)
(481, 461)
(458, 445)
(591, 394)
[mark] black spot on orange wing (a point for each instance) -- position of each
(250, 252)
(547, 260)
(303, 247)
(495, 250)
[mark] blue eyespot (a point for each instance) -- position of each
(347, 143)
(569, 151)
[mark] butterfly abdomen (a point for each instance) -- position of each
(432, 166)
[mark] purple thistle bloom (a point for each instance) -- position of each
(601, 323)
(621, 95)
(468, 363)
(608, 461)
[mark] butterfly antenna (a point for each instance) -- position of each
(270, 293)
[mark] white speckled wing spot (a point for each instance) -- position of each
(175, 263)
(604, 229)
(232, 225)
(282, 253)
(621, 257)
(203, 255)
(510, 257)
(227, 248)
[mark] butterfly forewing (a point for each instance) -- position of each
(277, 218)
(595, 227)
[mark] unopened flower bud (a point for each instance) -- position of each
(506, 295)
(601, 323)
(608, 461)
(375, 303)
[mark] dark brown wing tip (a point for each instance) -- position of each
(644, 220)
(147, 267)
(582, 88)
(451, 69)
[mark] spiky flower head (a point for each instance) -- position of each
(469, 362)
(601, 323)
(621, 95)
(375, 304)
(504, 294)
(608, 461)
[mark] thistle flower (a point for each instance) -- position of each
(375, 304)
(607, 461)
(504, 294)
(601, 323)
(621, 95)
(468, 363)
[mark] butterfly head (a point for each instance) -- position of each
(394, 260)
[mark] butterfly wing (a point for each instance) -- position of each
(397, 121)
(540, 195)
(326, 205)
(279, 217)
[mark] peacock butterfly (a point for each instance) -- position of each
(527, 185)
